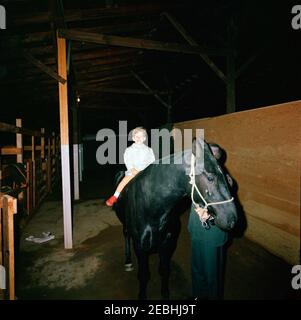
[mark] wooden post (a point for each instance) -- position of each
(29, 185)
(19, 142)
(42, 144)
(81, 162)
(231, 73)
(9, 208)
(33, 146)
(53, 159)
(75, 152)
(231, 84)
(49, 164)
(64, 130)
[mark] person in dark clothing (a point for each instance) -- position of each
(207, 258)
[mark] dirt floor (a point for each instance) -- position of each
(93, 269)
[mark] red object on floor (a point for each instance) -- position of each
(111, 201)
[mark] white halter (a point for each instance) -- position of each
(194, 186)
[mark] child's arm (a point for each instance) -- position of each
(128, 160)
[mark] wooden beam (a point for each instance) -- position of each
(7, 151)
(64, 131)
(244, 66)
(193, 43)
(111, 107)
(43, 67)
(123, 91)
(6, 127)
(166, 105)
(97, 13)
(137, 43)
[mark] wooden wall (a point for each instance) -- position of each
(263, 155)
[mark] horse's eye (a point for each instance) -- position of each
(210, 177)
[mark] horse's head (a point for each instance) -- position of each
(212, 186)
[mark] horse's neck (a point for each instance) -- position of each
(174, 182)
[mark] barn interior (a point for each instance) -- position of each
(230, 67)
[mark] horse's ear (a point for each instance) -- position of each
(217, 151)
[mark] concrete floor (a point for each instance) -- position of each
(94, 268)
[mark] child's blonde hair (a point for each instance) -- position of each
(139, 129)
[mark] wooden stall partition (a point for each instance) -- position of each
(263, 155)
(41, 159)
(8, 207)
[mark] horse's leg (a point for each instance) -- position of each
(165, 254)
(128, 265)
(143, 273)
(166, 250)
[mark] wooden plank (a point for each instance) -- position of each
(64, 135)
(43, 67)
(5, 127)
(192, 42)
(123, 91)
(137, 43)
(7, 151)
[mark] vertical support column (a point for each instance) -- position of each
(42, 144)
(29, 186)
(33, 152)
(64, 130)
(81, 161)
(49, 164)
(19, 142)
(75, 152)
(9, 209)
(230, 83)
(53, 159)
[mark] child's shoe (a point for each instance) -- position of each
(111, 201)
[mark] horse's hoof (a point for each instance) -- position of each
(128, 267)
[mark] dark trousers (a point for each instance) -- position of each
(207, 267)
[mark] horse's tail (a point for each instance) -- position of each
(147, 238)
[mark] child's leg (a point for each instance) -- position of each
(124, 182)
(120, 187)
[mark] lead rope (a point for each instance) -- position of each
(194, 186)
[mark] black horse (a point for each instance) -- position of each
(146, 204)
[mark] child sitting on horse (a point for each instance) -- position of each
(136, 158)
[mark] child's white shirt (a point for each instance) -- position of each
(138, 156)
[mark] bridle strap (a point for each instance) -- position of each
(194, 187)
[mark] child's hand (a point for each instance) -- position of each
(203, 214)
